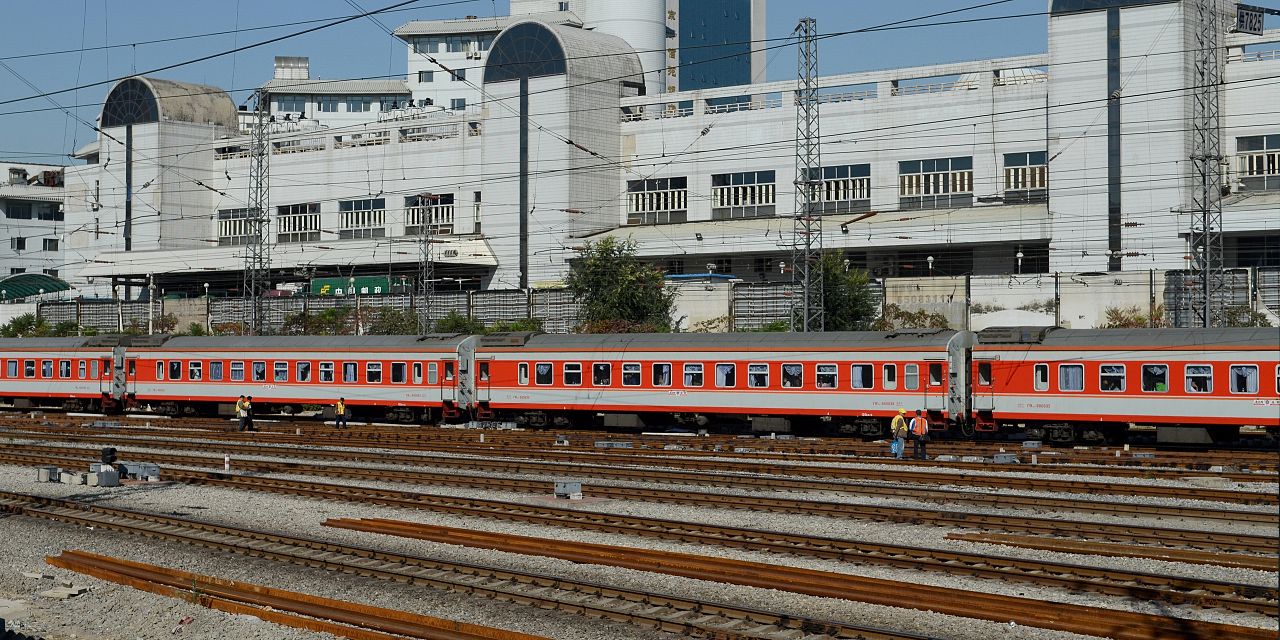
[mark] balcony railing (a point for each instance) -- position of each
(438, 218)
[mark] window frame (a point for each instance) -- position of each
(82, 369)
(417, 373)
(354, 368)
(571, 369)
(370, 369)
(161, 368)
(46, 369)
(279, 374)
(1257, 379)
(608, 369)
(327, 366)
(889, 376)
(910, 371)
(1124, 377)
(693, 368)
(733, 371)
(757, 365)
(29, 369)
(1036, 383)
(653, 372)
(254, 371)
(632, 368)
(930, 367)
(522, 374)
(537, 374)
(217, 370)
(1143, 373)
(1064, 365)
(175, 369)
(433, 373)
(854, 378)
(834, 372)
(237, 365)
(986, 379)
(11, 369)
(302, 371)
(404, 372)
(1187, 375)
(64, 369)
(195, 370)
(782, 375)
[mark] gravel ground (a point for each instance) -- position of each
(268, 511)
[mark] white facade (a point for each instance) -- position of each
(32, 218)
(1003, 166)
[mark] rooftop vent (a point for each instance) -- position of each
(293, 68)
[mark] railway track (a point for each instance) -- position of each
(1025, 611)
(289, 608)
(540, 447)
(1257, 563)
(1159, 536)
(647, 609)
(697, 478)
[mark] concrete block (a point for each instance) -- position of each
(64, 593)
(70, 477)
(613, 444)
(1031, 444)
(104, 478)
(140, 470)
(568, 489)
(47, 474)
(36, 575)
(1005, 458)
(1209, 482)
(1141, 456)
(945, 458)
(971, 459)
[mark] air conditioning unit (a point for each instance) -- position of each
(450, 253)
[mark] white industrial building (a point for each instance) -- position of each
(514, 140)
(32, 219)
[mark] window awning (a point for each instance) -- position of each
(25, 285)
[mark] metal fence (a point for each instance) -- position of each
(102, 315)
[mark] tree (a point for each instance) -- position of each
(848, 301)
(1242, 316)
(455, 322)
(389, 321)
(896, 317)
(26, 325)
(618, 293)
(328, 322)
(1132, 318)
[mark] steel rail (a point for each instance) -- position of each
(648, 475)
(1099, 621)
(1195, 539)
(331, 616)
(648, 609)
(1258, 563)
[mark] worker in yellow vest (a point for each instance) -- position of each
(340, 413)
(898, 428)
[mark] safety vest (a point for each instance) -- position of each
(920, 426)
(240, 408)
(898, 426)
(341, 408)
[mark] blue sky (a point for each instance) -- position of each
(37, 131)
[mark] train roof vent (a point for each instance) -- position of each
(914, 333)
(507, 338)
(1014, 335)
(144, 341)
(102, 341)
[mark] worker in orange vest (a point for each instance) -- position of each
(919, 436)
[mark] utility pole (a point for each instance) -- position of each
(1206, 171)
(806, 230)
(426, 260)
(257, 253)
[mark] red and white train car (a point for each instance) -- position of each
(71, 373)
(1064, 383)
(840, 382)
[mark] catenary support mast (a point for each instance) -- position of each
(1207, 294)
(257, 252)
(806, 246)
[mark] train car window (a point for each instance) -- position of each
(792, 375)
(911, 376)
(827, 376)
(195, 370)
(573, 374)
(259, 371)
(175, 369)
(133, 368)
(448, 371)
(1042, 377)
(64, 369)
(601, 374)
(12, 370)
(373, 372)
(1155, 378)
(279, 371)
(726, 375)
(29, 369)
(758, 376)
(326, 372)
(984, 374)
(215, 371)
(400, 372)
(1278, 380)
(349, 370)
(631, 374)
(433, 373)
(159, 369)
(543, 373)
(935, 374)
(662, 374)
(303, 371)
(693, 375)
(417, 373)
(1111, 377)
(524, 373)
(237, 371)
(1199, 378)
(46, 368)
(890, 377)
(1070, 377)
(82, 370)
(861, 375)
(484, 371)
(93, 369)
(1244, 378)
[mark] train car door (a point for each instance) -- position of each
(984, 391)
(935, 388)
(449, 380)
(106, 375)
(483, 377)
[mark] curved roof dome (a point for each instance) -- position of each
(533, 49)
(139, 100)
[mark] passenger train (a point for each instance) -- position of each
(1040, 382)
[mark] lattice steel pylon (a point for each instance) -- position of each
(1207, 300)
(426, 266)
(806, 234)
(257, 251)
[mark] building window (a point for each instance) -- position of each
(327, 104)
(674, 267)
(18, 243)
(1026, 177)
(1259, 162)
(357, 104)
(435, 210)
(50, 244)
(658, 200)
(426, 76)
(50, 272)
(50, 212)
(749, 194)
(458, 104)
(18, 211)
(843, 189)
(235, 227)
(298, 222)
(938, 183)
(564, 6)
(293, 104)
(364, 218)
(13, 271)
(458, 75)
(427, 45)
(387, 103)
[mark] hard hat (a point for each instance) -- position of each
(901, 410)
